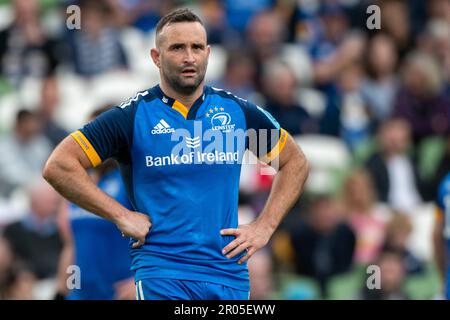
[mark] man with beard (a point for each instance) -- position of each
(180, 146)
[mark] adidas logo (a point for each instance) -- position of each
(162, 127)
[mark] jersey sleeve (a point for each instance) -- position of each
(107, 136)
(266, 139)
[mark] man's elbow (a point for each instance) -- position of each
(50, 170)
(303, 163)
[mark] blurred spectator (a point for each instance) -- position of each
(24, 48)
(280, 87)
(436, 42)
(239, 75)
(392, 275)
(333, 49)
(393, 170)
(330, 28)
(239, 13)
(24, 152)
(35, 239)
(214, 18)
(141, 14)
(365, 217)
(398, 230)
(439, 9)
(323, 244)
(290, 12)
(395, 19)
(421, 100)
(49, 103)
(380, 87)
(265, 36)
(355, 121)
(16, 283)
(96, 47)
(260, 272)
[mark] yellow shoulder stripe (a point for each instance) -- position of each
(177, 105)
(278, 147)
(87, 147)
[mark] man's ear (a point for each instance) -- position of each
(154, 53)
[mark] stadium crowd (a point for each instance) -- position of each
(369, 107)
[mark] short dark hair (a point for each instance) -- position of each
(24, 114)
(178, 15)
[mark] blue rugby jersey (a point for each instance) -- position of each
(182, 168)
(443, 202)
(101, 252)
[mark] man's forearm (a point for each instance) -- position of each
(71, 180)
(286, 189)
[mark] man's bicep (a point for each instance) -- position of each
(289, 151)
(69, 149)
(108, 135)
(85, 150)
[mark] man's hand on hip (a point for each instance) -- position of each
(135, 225)
(250, 237)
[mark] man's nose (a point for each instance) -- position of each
(189, 56)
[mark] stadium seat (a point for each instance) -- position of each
(75, 100)
(216, 64)
(313, 101)
(420, 241)
(5, 13)
(13, 208)
(137, 47)
(430, 151)
(363, 151)
(297, 57)
(9, 104)
(329, 161)
(426, 286)
(348, 285)
(45, 289)
(295, 287)
(116, 87)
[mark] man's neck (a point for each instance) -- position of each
(186, 100)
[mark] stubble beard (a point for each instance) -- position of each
(176, 82)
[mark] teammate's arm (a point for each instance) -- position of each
(287, 187)
(66, 258)
(66, 171)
